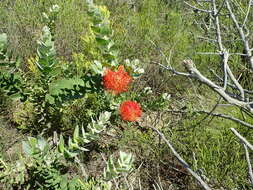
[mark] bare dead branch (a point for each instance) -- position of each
(229, 118)
(196, 8)
(212, 110)
(217, 115)
(182, 161)
(247, 14)
(235, 81)
(217, 25)
(249, 164)
(242, 35)
(242, 139)
(216, 53)
(208, 53)
(220, 8)
(246, 145)
(194, 73)
(172, 70)
(229, 84)
(190, 67)
(226, 69)
(224, 53)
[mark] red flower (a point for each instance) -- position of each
(130, 111)
(116, 81)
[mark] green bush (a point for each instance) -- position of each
(52, 85)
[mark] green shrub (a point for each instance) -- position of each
(51, 85)
(46, 164)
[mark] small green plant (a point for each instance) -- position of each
(100, 45)
(102, 31)
(123, 166)
(10, 79)
(44, 165)
(41, 168)
(76, 144)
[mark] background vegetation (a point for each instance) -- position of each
(142, 30)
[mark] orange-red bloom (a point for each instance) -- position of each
(116, 81)
(130, 111)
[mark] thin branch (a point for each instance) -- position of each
(237, 84)
(217, 25)
(242, 35)
(246, 145)
(168, 67)
(226, 69)
(219, 9)
(196, 8)
(193, 72)
(7, 62)
(229, 118)
(242, 139)
(208, 53)
(172, 70)
(224, 53)
(247, 14)
(212, 110)
(249, 164)
(181, 160)
(241, 54)
(229, 84)
(190, 67)
(216, 53)
(217, 115)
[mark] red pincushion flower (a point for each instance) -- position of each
(116, 81)
(130, 111)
